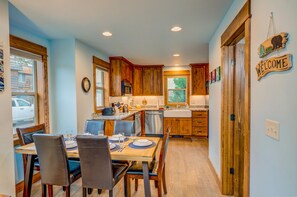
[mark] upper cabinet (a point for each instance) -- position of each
(199, 75)
(120, 70)
(152, 80)
(137, 81)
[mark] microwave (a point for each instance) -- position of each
(126, 88)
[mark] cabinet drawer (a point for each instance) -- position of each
(200, 131)
(199, 114)
(200, 122)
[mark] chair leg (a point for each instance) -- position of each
(111, 193)
(99, 191)
(64, 188)
(90, 191)
(156, 184)
(50, 191)
(127, 186)
(136, 185)
(164, 181)
(43, 190)
(160, 187)
(68, 191)
(84, 192)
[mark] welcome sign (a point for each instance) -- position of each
(273, 65)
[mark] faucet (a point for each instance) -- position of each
(177, 106)
(186, 105)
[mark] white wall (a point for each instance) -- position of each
(63, 86)
(7, 176)
(84, 68)
(215, 88)
(273, 163)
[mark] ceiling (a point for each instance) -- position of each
(140, 28)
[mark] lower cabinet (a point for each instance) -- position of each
(200, 123)
(179, 126)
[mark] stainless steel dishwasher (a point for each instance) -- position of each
(154, 122)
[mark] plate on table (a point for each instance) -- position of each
(115, 138)
(70, 144)
(111, 146)
(142, 142)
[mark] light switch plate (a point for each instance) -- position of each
(272, 129)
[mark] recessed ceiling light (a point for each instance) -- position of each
(176, 55)
(176, 28)
(176, 64)
(107, 34)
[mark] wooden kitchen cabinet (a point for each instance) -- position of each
(179, 126)
(137, 81)
(199, 76)
(120, 69)
(152, 83)
(200, 123)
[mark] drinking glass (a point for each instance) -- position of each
(133, 137)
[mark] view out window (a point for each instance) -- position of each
(24, 88)
(177, 89)
(101, 88)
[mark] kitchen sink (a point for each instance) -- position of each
(178, 113)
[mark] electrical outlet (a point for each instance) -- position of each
(272, 129)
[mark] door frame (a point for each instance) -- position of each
(239, 28)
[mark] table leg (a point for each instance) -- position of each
(146, 179)
(28, 175)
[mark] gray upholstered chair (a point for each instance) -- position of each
(94, 126)
(156, 169)
(124, 126)
(55, 168)
(98, 172)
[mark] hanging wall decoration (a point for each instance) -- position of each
(218, 72)
(1, 68)
(270, 45)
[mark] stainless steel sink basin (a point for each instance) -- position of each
(178, 113)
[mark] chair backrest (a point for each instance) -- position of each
(25, 134)
(95, 126)
(163, 151)
(124, 126)
(54, 167)
(95, 161)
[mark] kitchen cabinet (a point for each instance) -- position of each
(200, 123)
(120, 69)
(179, 126)
(199, 76)
(152, 84)
(137, 81)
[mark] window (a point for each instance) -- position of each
(101, 81)
(176, 87)
(23, 86)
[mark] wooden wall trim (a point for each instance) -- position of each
(237, 25)
(120, 58)
(176, 73)
(20, 186)
(101, 62)
(31, 47)
(159, 65)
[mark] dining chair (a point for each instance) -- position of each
(156, 169)
(25, 137)
(98, 171)
(124, 126)
(95, 127)
(55, 168)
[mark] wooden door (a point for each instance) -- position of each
(137, 81)
(239, 80)
(185, 126)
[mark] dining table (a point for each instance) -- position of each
(128, 153)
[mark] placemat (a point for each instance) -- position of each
(131, 145)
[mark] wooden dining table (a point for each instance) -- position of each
(144, 155)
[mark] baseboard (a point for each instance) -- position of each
(218, 181)
(20, 186)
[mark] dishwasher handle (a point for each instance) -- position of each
(153, 113)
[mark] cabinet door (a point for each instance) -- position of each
(170, 122)
(185, 126)
(115, 78)
(126, 71)
(147, 83)
(200, 131)
(198, 79)
(158, 81)
(137, 81)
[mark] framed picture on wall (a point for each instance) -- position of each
(218, 73)
(1, 69)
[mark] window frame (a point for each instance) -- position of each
(41, 74)
(177, 74)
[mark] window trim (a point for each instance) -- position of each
(27, 46)
(177, 74)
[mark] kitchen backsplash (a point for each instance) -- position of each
(153, 100)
